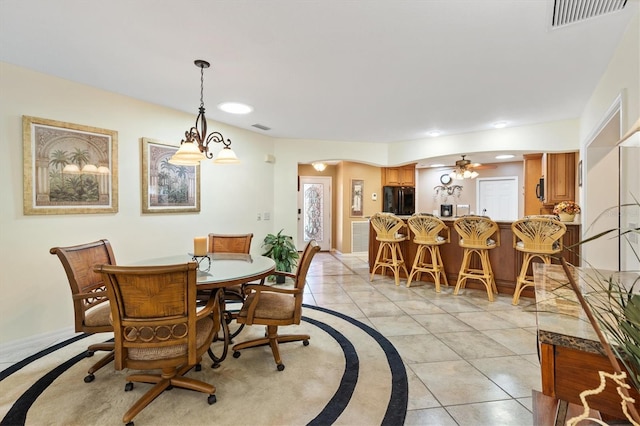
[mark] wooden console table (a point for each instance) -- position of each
(570, 353)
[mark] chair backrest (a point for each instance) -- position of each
(477, 232)
(386, 225)
(538, 234)
(87, 287)
(230, 243)
(153, 308)
(304, 263)
(428, 229)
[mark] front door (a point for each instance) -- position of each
(314, 208)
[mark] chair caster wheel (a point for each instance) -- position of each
(169, 387)
(212, 399)
(198, 367)
(280, 367)
(89, 378)
(128, 387)
(236, 354)
(305, 343)
(130, 424)
(90, 354)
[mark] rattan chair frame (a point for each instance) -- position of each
(90, 300)
(388, 227)
(158, 325)
(535, 237)
(429, 234)
(478, 235)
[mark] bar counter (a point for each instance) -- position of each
(570, 352)
(505, 260)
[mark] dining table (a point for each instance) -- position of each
(216, 271)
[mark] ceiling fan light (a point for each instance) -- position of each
(474, 174)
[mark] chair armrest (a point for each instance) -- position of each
(258, 288)
(285, 274)
(209, 308)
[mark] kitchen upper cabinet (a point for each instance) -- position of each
(559, 173)
(559, 177)
(399, 176)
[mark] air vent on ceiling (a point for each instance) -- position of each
(261, 127)
(567, 12)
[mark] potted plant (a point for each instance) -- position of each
(283, 251)
(612, 305)
(566, 210)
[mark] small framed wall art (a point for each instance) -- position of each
(68, 168)
(357, 191)
(166, 187)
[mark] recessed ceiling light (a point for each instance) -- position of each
(235, 108)
(435, 133)
(500, 124)
(504, 156)
(437, 165)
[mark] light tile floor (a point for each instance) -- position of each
(469, 361)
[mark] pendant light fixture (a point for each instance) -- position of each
(195, 146)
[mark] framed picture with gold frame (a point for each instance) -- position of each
(68, 168)
(166, 187)
(357, 191)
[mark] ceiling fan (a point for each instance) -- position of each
(464, 169)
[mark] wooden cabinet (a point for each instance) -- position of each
(399, 176)
(559, 173)
(560, 177)
(532, 170)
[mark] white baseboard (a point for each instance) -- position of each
(17, 350)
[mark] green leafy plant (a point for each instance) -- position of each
(282, 250)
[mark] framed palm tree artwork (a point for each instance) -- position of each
(166, 187)
(68, 168)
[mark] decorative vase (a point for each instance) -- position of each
(565, 217)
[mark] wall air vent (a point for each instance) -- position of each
(261, 126)
(567, 12)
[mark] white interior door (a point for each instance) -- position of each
(498, 197)
(314, 208)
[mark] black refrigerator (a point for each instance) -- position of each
(399, 200)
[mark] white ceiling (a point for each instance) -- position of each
(358, 70)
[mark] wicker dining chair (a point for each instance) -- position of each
(274, 306)
(90, 302)
(158, 326)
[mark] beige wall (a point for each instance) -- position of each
(35, 293)
(619, 84)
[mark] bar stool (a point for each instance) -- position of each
(429, 234)
(535, 236)
(478, 235)
(387, 227)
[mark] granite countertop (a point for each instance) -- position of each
(560, 318)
